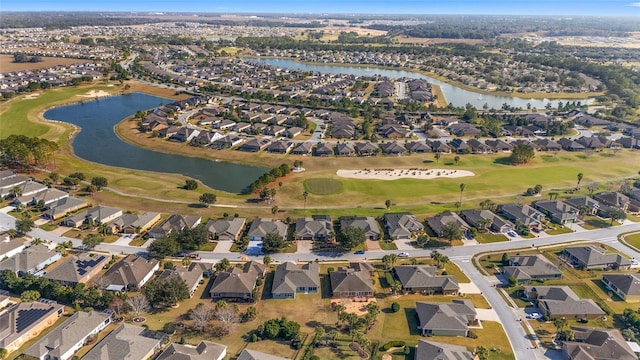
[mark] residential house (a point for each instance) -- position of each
(289, 279)
(440, 147)
(525, 268)
(423, 279)
(135, 223)
(175, 224)
(184, 134)
(559, 212)
(431, 350)
(591, 143)
(226, 142)
(459, 146)
(255, 145)
(523, 214)
(561, 302)
(437, 223)
(129, 342)
(131, 273)
(316, 227)
(77, 269)
(417, 147)
(235, 284)
(367, 224)
(24, 321)
(192, 276)
(63, 341)
(205, 350)
(226, 229)
(323, 149)
(280, 147)
(351, 283)
(60, 208)
(97, 215)
(618, 200)
(591, 257)
(590, 206)
(570, 145)
(31, 260)
(464, 129)
(260, 227)
(10, 247)
(486, 220)
(446, 319)
(402, 226)
(366, 148)
(247, 354)
(345, 149)
(597, 344)
(28, 190)
(9, 180)
(498, 145)
(548, 145)
(303, 148)
(393, 131)
(626, 286)
(478, 147)
(393, 148)
(292, 132)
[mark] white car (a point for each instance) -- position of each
(534, 315)
(634, 262)
(403, 254)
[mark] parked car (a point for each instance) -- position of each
(403, 254)
(534, 316)
(512, 233)
(634, 261)
(359, 252)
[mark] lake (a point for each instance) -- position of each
(453, 94)
(98, 142)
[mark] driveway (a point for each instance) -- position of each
(374, 245)
(404, 245)
(223, 247)
(469, 288)
(304, 246)
(487, 315)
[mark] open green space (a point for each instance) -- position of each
(594, 222)
(486, 238)
(323, 186)
(633, 240)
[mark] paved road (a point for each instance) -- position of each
(460, 255)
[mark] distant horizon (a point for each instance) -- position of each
(621, 8)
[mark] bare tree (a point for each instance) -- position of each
(228, 317)
(118, 306)
(138, 304)
(201, 316)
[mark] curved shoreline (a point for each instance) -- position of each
(525, 96)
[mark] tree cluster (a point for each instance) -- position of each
(281, 329)
(350, 237)
(166, 291)
(187, 239)
(269, 177)
(23, 150)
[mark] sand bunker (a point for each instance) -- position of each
(32, 96)
(394, 174)
(95, 94)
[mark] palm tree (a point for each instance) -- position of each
(436, 256)
(274, 211)
(304, 196)
(437, 157)
(462, 186)
(580, 176)
(266, 260)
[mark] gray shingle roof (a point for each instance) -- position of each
(288, 277)
(205, 350)
(77, 268)
(126, 342)
(247, 354)
(260, 227)
(597, 344)
(424, 276)
(28, 259)
(445, 316)
(431, 350)
(629, 284)
(531, 266)
(593, 257)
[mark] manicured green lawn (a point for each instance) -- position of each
(485, 238)
(138, 241)
(633, 240)
(558, 230)
(210, 246)
(323, 186)
(388, 245)
(594, 222)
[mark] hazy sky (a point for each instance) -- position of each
(500, 7)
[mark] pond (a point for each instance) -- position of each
(98, 142)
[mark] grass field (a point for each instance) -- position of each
(323, 186)
(7, 64)
(485, 238)
(633, 240)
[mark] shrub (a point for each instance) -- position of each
(407, 350)
(254, 338)
(169, 328)
(259, 282)
(472, 335)
(395, 307)
(392, 344)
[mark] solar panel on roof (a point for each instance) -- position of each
(27, 317)
(83, 265)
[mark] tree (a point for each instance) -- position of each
(437, 157)
(462, 186)
(222, 265)
(190, 184)
(522, 154)
(201, 316)
(482, 353)
(580, 176)
(208, 198)
(15, 192)
(227, 316)
(166, 291)
(592, 187)
(505, 259)
(488, 205)
(91, 241)
(452, 231)
(395, 286)
(274, 211)
(250, 314)
(350, 237)
(456, 159)
(266, 260)
(387, 203)
(29, 295)
(616, 214)
(273, 242)
(99, 182)
(304, 196)
(138, 304)
(163, 247)
(24, 224)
